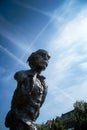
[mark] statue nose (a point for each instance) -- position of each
(46, 57)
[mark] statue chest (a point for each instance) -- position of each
(37, 88)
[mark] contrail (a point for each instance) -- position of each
(39, 34)
(9, 35)
(43, 29)
(52, 17)
(66, 94)
(12, 55)
(32, 8)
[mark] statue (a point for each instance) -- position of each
(30, 93)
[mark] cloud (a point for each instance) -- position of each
(37, 37)
(66, 74)
(15, 34)
(67, 70)
(82, 90)
(22, 4)
(73, 31)
(84, 66)
(12, 55)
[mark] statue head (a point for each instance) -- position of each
(39, 60)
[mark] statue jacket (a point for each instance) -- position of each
(29, 95)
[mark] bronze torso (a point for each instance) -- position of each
(29, 95)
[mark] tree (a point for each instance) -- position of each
(58, 124)
(80, 115)
(42, 127)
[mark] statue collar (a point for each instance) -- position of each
(32, 73)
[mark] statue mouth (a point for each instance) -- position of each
(45, 63)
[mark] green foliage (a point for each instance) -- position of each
(79, 118)
(42, 127)
(58, 124)
(80, 115)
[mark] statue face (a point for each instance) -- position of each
(41, 60)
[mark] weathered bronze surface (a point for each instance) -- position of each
(30, 93)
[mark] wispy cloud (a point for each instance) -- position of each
(67, 78)
(5, 50)
(14, 34)
(37, 37)
(24, 5)
(66, 74)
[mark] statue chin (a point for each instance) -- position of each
(44, 67)
(41, 67)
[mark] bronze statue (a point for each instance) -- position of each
(30, 93)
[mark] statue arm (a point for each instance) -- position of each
(20, 76)
(24, 79)
(24, 87)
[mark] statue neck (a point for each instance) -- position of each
(37, 71)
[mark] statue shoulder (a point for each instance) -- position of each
(23, 74)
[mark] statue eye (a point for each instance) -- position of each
(43, 55)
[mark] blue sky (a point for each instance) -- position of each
(60, 27)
